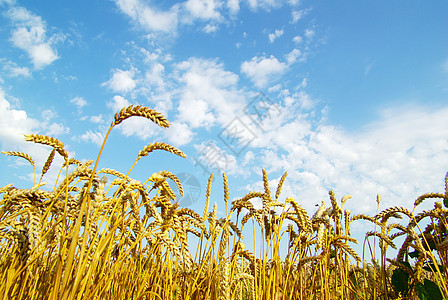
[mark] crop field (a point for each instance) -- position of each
(99, 234)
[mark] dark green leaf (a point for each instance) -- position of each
(400, 281)
(414, 254)
(428, 291)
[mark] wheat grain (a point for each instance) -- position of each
(247, 197)
(48, 140)
(71, 161)
(267, 193)
(223, 242)
(240, 204)
(347, 221)
(280, 185)
(174, 178)
(139, 111)
(112, 172)
(6, 188)
(213, 220)
(303, 221)
(382, 236)
(48, 162)
(160, 146)
(226, 188)
(20, 154)
(420, 199)
(346, 248)
(345, 198)
(207, 196)
(367, 218)
(385, 214)
(333, 201)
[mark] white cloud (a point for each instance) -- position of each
(55, 129)
(297, 15)
(203, 9)
(13, 70)
(9, 2)
(117, 103)
(309, 33)
(210, 28)
(276, 34)
(196, 112)
(79, 102)
(400, 156)
(150, 18)
(155, 75)
(30, 36)
(275, 88)
(297, 39)
(121, 81)
(20, 71)
(216, 159)
(48, 126)
(94, 137)
(14, 124)
(262, 69)
(234, 6)
(292, 56)
(209, 95)
(179, 134)
(264, 4)
(97, 119)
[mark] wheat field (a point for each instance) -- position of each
(99, 234)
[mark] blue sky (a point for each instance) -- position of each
(357, 92)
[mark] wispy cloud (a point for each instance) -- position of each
(275, 35)
(148, 17)
(262, 69)
(15, 123)
(121, 81)
(209, 93)
(79, 102)
(203, 9)
(399, 156)
(234, 6)
(91, 136)
(297, 15)
(209, 28)
(30, 35)
(445, 66)
(13, 70)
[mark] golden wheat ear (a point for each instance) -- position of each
(160, 146)
(139, 111)
(48, 140)
(20, 154)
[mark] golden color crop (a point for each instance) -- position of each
(103, 235)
